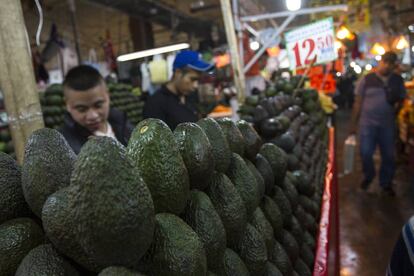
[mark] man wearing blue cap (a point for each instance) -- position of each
(171, 103)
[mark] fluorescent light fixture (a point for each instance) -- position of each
(368, 67)
(254, 45)
(412, 49)
(293, 5)
(152, 52)
(411, 28)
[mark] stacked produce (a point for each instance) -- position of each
(6, 144)
(123, 99)
(210, 198)
(53, 106)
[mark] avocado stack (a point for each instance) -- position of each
(123, 99)
(6, 144)
(210, 198)
(53, 106)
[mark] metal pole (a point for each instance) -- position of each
(253, 18)
(239, 28)
(72, 8)
(239, 78)
(268, 43)
(17, 79)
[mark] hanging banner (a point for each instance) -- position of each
(316, 39)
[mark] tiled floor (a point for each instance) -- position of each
(369, 222)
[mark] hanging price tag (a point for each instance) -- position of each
(316, 39)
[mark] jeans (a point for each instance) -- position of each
(370, 137)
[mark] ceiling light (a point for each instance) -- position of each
(152, 52)
(293, 5)
(378, 58)
(254, 45)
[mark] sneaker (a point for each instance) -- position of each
(365, 185)
(388, 191)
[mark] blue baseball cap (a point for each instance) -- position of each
(192, 60)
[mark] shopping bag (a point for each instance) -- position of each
(349, 154)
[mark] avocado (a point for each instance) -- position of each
(301, 268)
(306, 203)
(118, 271)
(260, 114)
(272, 270)
(307, 255)
(209, 273)
(309, 240)
(154, 152)
(252, 100)
(290, 245)
(295, 229)
(45, 260)
(233, 135)
(201, 216)
(196, 150)
(252, 249)
(310, 224)
(259, 178)
(58, 223)
(17, 238)
(263, 226)
(176, 249)
(281, 259)
(47, 166)
(270, 127)
(229, 205)
(293, 162)
(290, 192)
(245, 183)
(220, 148)
(273, 214)
(12, 203)
(246, 110)
(300, 214)
(247, 118)
(233, 265)
(286, 142)
(114, 212)
(277, 159)
(266, 171)
(271, 91)
(252, 140)
(283, 202)
(269, 107)
(303, 183)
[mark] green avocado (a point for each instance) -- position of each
(201, 216)
(277, 159)
(264, 168)
(252, 140)
(176, 249)
(273, 214)
(58, 223)
(196, 150)
(290, 245)
(303, 183)
(307, 255)
(220, 148)
(295, 229)
(252, 249)
(302, 269)
(286, 142)
(47, 167)
(17, 238)
(252, 100)
(281, 259)
(232, 265)
(290, 192)
(229, 205)
(309, 240)
(233, 135)
(118, 271)
(45, 260)
(263, 226)
(283, 202)
(272, 270)
(12, 202)
(245, 183)
(114, 212)
(154, 152)
(259, 178)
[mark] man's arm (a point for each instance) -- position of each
(356, 110)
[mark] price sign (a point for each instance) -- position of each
(316, 39)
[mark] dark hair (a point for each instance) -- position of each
(390, 58)
(82, 77)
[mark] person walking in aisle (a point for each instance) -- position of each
(172, 103)
(377, 99)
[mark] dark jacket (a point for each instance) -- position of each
(166, 106)
(76, 135)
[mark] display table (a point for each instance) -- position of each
(327, 257)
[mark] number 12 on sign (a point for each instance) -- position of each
(305, 50)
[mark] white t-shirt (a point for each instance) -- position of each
(109, 132)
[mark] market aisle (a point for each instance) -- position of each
(369, 222)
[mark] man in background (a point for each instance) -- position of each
(173, 102)
(88, 109)
(377, 99)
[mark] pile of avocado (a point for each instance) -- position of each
(123, 98)
(209, 198)
(53, 106)
(6, 144)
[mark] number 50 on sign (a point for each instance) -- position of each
(316, 39)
